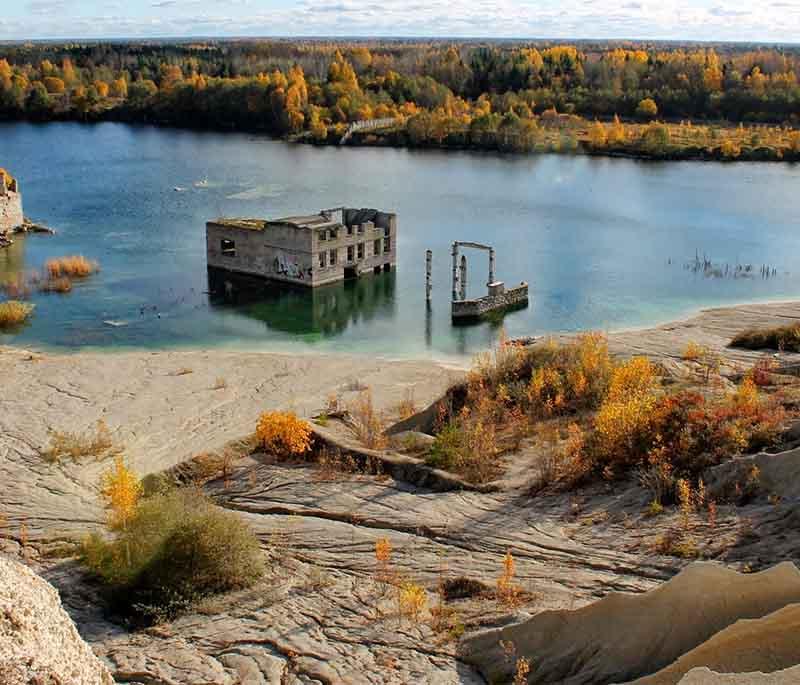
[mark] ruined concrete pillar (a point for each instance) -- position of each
(491, 265)
(463, 277)
(428, 265)
(455, 271)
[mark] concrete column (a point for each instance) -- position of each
(463, 277)
(455, 271)
(491, 265)
(428, 265)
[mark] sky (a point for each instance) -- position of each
(711, 20)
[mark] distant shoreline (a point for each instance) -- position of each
(398, 139)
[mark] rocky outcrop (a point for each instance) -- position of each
(39, 644)
(625, 636)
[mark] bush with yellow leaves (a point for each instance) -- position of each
(282, 433)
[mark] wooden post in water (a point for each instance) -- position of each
(428, 266)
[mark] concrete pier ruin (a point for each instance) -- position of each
(309, 250)
(498, 298)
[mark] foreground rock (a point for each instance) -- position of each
(39, 644)
(765, 645)
(624, 636)
(704, 676)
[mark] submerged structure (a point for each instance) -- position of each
(305, 250)
(11, 217)
(498, 297)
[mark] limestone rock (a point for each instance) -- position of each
(39, 644)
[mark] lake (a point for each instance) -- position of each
(604, 243)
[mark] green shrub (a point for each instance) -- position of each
(784, 338)
(177, 548)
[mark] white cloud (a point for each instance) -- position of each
(679, 19)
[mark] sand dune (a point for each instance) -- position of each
(623, 636)
(704, 676)
(766, 644)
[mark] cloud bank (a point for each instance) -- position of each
(732, 20)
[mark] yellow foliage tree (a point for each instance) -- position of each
(120, 489)
(598, 137)
(647, 108)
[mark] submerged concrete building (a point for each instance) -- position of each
(11, 216)
(305, 250)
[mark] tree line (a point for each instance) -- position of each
(503, 93)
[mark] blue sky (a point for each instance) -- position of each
(734, 20)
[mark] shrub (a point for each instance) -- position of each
(466, 445)
(176, 548)
(684, 430)
(14, 313)
(411, 600)
(692, 352)
(98, 444)
(283, 433)
(60, 285)
(781, 338)
(367, 421)
(75, 266)
(508, 592)
(571, 377)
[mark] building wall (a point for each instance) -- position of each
(282, 253)
(301, 255)
(10, 211)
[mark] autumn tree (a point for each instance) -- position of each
(647, 108)
(598, 137)
(120, 489)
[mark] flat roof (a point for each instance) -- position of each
(311, 221)
(308, 221)
(249, 224)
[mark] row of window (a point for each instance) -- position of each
(354, 252)
(333, 233)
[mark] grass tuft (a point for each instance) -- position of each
(14, 313)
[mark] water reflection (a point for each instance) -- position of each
(327, 310)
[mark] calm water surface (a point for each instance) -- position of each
(603, 242)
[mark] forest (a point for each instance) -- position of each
(660, 100)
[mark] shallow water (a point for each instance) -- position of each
(603, 242)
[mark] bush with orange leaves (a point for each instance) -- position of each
(74, 266)
(570, 377)
(282, 433)
(685, 431)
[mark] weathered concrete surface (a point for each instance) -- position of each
(39, 644)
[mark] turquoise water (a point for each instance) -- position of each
(603, 242)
